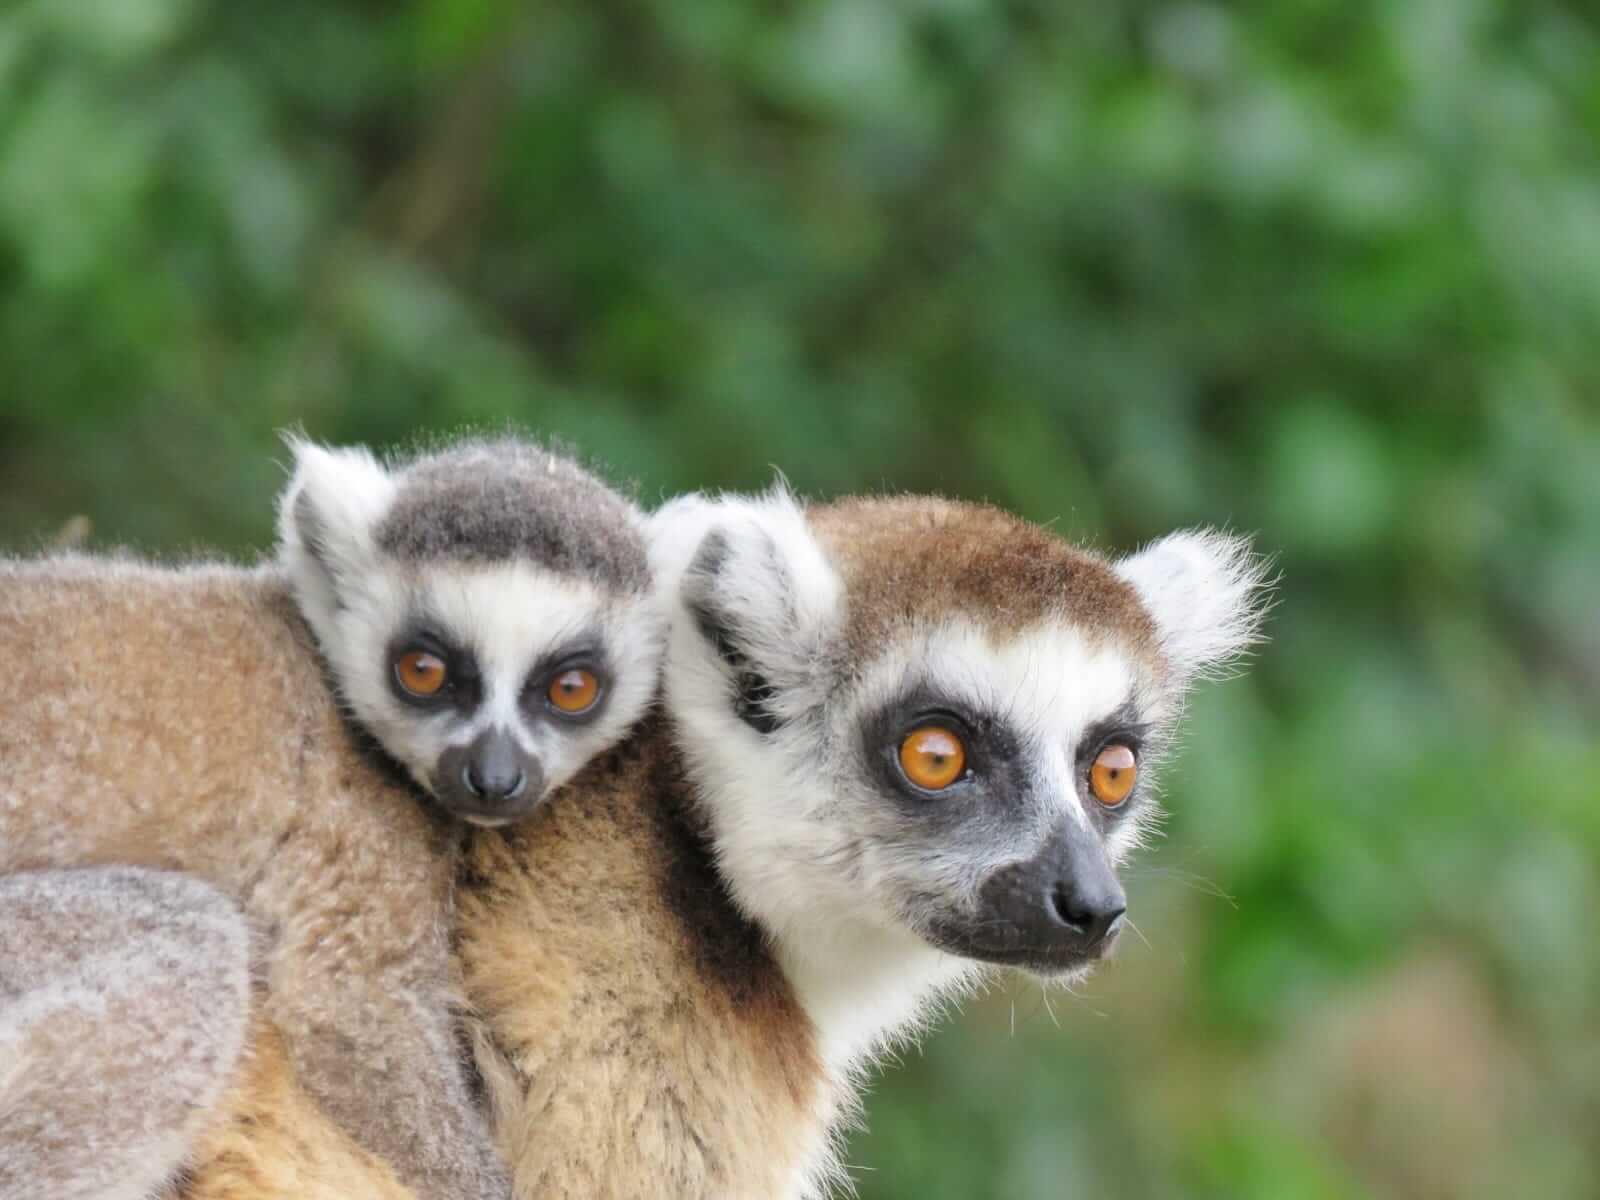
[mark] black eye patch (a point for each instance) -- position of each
(995, 758)
(583, 651)
(1123, 725)
(463, 687)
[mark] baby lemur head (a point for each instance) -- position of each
(485, 611)
(929, 726)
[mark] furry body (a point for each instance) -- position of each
(269, 1138)
(179, 719)
(123, 1002)
(636, 1034)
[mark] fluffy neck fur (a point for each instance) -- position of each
(862, 978)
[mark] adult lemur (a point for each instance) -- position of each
(486, 614)
(905, 740)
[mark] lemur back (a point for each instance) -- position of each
(621, 1000)
(182, 718)
(179, 719)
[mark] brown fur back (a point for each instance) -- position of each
(179, 718)
(635, 1033)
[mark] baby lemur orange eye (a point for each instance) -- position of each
(575, 690)
(420, 673)
(1113, 775)
(932, 757)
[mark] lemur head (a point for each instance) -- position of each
(918, 722)
(485, 611)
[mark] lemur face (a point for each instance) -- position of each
(995, 783)
(491, 684)
(485, 612)
(933, 718)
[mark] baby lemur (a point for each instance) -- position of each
(485, 616)
(905, 741)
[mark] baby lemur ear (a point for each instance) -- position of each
(326, 517)
(1207, 592)
(757, 587)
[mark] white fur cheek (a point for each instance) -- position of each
(1127, 837)
(358, 650)
(860, 972)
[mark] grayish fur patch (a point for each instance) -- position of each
(504, 499)
(123, 1000)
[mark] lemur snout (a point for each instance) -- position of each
(495, 772)
(1058, 910)
(1081, 898)
(490, 779)
(493, 787)
(1093, 914)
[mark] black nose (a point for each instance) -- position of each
(496, 769)
(1093, 913)
(491, 780)
(494, 780)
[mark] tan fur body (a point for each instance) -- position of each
(270, 1139)
(636, 1036)
(179, 719)
(124, 1003)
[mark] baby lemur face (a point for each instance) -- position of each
(485, 611)
(933, 720)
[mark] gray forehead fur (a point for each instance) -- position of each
(490, 501)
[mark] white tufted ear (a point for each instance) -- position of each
(1206, 591)
(326, 516)
(749, 576)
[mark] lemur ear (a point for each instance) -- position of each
(1207, 592)
(326, 516)
(756, 585)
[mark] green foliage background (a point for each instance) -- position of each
(1328, 270)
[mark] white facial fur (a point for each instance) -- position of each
(847, 879)
(511, 616)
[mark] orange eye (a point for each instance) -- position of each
(1113, 775)
(420, 673)
(932, 757)
(574, 691)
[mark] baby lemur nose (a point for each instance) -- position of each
(490, 781)
(492, 785)
(496, 768)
